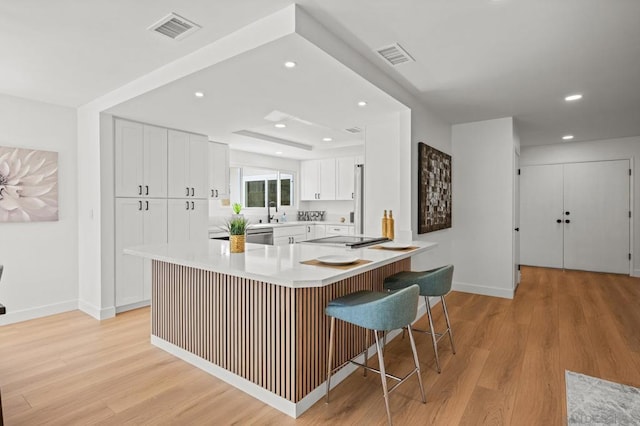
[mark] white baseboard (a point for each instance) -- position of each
(98, 313)
(41, 311)
(636, 273)
(483, 290)
(132, 306)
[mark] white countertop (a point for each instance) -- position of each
(272, 264)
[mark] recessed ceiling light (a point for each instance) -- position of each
(575, 97)
(279, 152)
(199, 95)
(290, 64)
(327, 139)
(362, 104)
(567, 137)
(280, 125)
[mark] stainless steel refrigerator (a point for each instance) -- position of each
(358, 197)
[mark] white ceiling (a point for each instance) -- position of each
(475, 59)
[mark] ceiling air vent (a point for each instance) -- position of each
(174, 26)
(395, 54)
(354, 130)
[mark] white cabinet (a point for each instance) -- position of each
(218, 171)
(315, 230)
(140, 160)
(284, 235)
(138, 222)
(187, 220)
(318, 179)
(345, 178)
(339, 230)
(188, 165)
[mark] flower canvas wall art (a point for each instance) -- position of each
(28, 185)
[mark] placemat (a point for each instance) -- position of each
(315, 262)
(390, 249)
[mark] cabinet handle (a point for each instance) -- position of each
(567, 221)
(558, 220)
(352, 195)
(139, 189)
(212, 194)
(567, 213)
(192, 194)
(187, 205)
(187, 191)
(146, 190)
(139, 205)
(216, 193)
(193, 206)
(146, 205)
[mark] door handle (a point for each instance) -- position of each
(192, 194)
(139, 205)
(146, 190)
(139, 189)
(187, 205)
(187, 191)
(559, 221)
(146, 205)
(567, 221)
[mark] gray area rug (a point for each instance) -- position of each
(593, 401)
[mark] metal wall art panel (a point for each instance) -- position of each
(434, 189)
(28, 185)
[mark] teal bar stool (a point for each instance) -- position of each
(433, 283)
(379, 312)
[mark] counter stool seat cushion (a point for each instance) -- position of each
(376, 310)
(435, 282)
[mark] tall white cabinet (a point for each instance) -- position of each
(140, 160)
(162, 191)
(138, 222)
(218, 171)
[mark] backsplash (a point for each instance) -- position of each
(311, 215)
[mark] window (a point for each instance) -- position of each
(254, 187)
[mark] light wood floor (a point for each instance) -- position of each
(70, 369)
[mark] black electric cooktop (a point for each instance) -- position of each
(349, 240)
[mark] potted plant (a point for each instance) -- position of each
(237, 227)
(236, 208)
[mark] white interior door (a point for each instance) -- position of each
(541, 202)
(596, 216)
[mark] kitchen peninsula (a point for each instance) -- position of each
(256, 319)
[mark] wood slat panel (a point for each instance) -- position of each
(273, 336)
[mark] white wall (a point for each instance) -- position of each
(610, 149)
(41, 258)
(482, 206)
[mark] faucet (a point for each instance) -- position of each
(269, 205)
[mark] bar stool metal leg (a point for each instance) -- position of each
(434, 340)
(383, 377)
(415, 360)
(446, 317)
(367, 341)
(330, 356)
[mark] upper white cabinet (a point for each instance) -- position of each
(318, 179)
(218, 170)
(345, 178)
(188, 165)
(140, 160)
